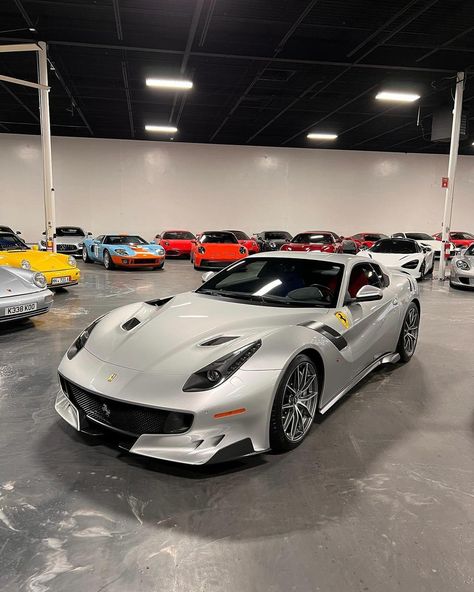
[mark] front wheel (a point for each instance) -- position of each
(85, 255)
(108, 263)
(159, 266)
(295, 404)
(409, 333)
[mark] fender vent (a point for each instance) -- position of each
(130, 324)
(218, 340)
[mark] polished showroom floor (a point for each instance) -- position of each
(380, 496)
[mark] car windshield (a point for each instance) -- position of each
(218, 237)
(178, 235)
(6, 229)
(462, 236)
(418, 236)
(125, 239)
(470, 251)
(239, 235)
(318, 238)
(374, 237)
(70, 231)
(277, 235)
(10, 242)
(395, 245)
(279, 281)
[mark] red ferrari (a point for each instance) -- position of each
(458, 239)
(367, 239)
(320, 240)
(249, 243)
(216, 249)
(176, 243)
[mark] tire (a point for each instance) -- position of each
(108, 263)
(282, 421)
(85, 255)
(159, 266)
(422, 271)
(411, 324)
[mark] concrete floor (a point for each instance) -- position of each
(380, 496)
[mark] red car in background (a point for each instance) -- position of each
(216, 249)
(176, 243)
(249, 243)
(461, 240)
(367, 239)
(320, 240)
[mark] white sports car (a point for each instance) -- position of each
(403, 254)
(243, 364)
(426, 240)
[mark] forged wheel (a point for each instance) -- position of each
(108, 263)
(409, 333)
(295, 404)
(85, 255)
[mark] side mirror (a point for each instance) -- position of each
(18, 232)
(44, 233)
(426, 249)
(207, 276)
(89, 234)
(34, 247)
(369, 293)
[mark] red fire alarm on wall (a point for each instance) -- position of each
(444, 182)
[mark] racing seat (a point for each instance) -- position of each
(358, 280)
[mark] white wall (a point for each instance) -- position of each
(145, 187)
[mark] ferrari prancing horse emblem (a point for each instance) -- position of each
(342, 318)
(112, 377)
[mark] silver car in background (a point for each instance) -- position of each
(23, 294)
(69, 240)
(243, 364)
(462, 269)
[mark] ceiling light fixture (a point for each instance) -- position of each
(162, 129)
(318, 136)
(169, 84)
(401, 97)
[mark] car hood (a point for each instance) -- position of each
(391, 259)
(39, 260)
(168, 337)
(73, 239)
(12, 284)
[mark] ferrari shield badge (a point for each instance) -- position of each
(343, 319)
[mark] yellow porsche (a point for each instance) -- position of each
(60, 270)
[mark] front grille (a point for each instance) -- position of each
(211, 263)
(142, 261)
(64, 247)
(133, 420)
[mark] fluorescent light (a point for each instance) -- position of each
(318, 136)
(162, 129)
(402, 97)
(167, 83)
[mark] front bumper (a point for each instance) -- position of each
(461, 278)
(150, 260)
(209, 439)
(43, 300)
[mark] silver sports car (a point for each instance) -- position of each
(23, 294)
(243, 364)
(462, 269)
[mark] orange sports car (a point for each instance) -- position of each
(216, 249)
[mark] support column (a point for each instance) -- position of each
(453, 158)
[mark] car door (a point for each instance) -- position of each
(98, 248)
(372, 325)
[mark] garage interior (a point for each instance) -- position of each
(380, 494)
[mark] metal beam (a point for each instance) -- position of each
(24, 14)
(10, 48)
(127, 95)
(446, 43)
(207, 22)
(118, 20)
(21, 82)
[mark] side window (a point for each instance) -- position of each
(358, 237)
(99, 238)
(383, 278)
(398, 235)
(362, 275)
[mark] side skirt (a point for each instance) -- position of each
(385, 359)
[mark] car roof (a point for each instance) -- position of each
(342, 259)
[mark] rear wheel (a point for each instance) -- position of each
(295, 404)
(108, 263)
(409, 333)
(85, 255)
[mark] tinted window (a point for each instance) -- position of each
(277, 235)
(470, 250)
(396, 245)
(279, 281)
(179, 235)
(5, 229)
(462, 236)
(383, 278)
(218, 237)
(374, 237)
(398, 235)
(125, 239)
(419, 236)
(363, 275)
(69, 231)
(316, 238)
(10, 242)
(239, 234)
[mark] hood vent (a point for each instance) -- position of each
(130, 324)
(218, 340)
(159, 301)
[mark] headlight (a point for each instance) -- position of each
(160, 251)
(71, 261)
(242, 250)
(463, 265)
(272, 245)
(122, 252)
(39, 280)
(82, 339)
(80, 245)
(411, 264)
(219, 371)
(25, 264)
